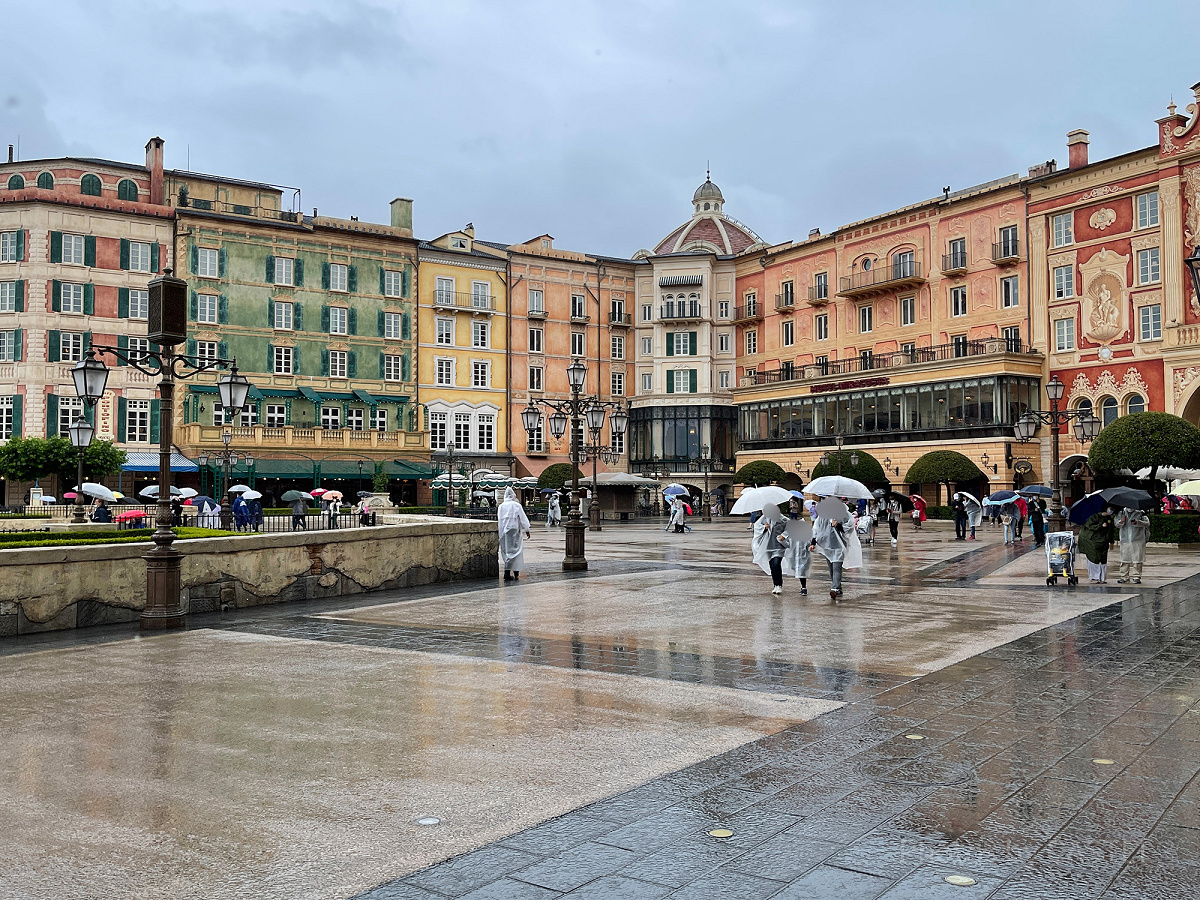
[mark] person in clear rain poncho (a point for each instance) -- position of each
(835, 538)
(553, 511)
(770, 544)
(1133, 528)
(514, 528)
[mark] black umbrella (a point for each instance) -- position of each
(906, 503)
(363, 495)
(1129, 498)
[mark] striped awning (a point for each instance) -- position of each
(142, 461)
(678, 280)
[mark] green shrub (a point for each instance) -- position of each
(943, 467)
(759, 472)
(30, 540)
(868, 471)
(939, 512)
(556, 476)
(1177, 528)
(1145, 439)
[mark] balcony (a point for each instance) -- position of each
(785, 302)
(537, 314)
(818, 294)
(881, 280)
(1006, 253)
(620, 319)
(580, 318)
(463, 301)
(681, 312)
(751, 312)
(241, 209)
(255, 437)
(954, 263)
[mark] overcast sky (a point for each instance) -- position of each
(594, 121)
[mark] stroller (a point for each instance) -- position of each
(866, 528)
(1060, 557)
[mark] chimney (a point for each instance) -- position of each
(402, 213)
(154, 162)
(814, 232)
(10, 152)
(1077, 149)
(469, 229)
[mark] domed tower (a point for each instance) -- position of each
(709, 229)
(708, 197)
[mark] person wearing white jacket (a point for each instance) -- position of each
(514, 528)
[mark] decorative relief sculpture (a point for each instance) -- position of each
(1191, 220)
(1105, 297)
(1102, 218)
(1181, 380)
(1107, 386)
(981, 293)
(1102, 191)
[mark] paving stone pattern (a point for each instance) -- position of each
(995, 768)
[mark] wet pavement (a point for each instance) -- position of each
(953, 717)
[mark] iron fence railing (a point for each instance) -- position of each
(881, 276)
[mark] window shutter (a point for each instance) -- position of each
(193, 307)
(352, 321)
(297, 317)
(18, 347)
(352, 278)
(670, 380)
(87, 341)
(295, 360)
(405, 327)
(89, 299)
(222, 310)
(221, 262)
(270, 313)
(324, 361)
(190, 347)
(222, 350)
(691, 343)
(56, 296)
(287, 412)
(53, 343)
(21, 296)
(381, 368)
(270, 270)
(56, 246)
(155, 419)
(154, 257)
(89, 250)
(325, 319)
(379, 319)
(21, 246)
(122, 303)
(404, 282)
(324, 276)
(194, 258)
(89, 413)
(691, 381)
(122, 344)
(352, 365)
(298, 272)
(124, 253)
(270, 358)
(121, 416)
(405, 367)
(51, 415)
(18, 417)
(670, 343)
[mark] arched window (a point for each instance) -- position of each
(46, 181)
(1109, 410)
(127, 190)
(15, 183)
(1135, 404)
(90, 185)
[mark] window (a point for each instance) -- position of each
(822, 364)
(127, 190)
(485, 431)
(208, 263)
(458, 243)
(682, 379)
(681, 343)
(283, 360)
(1147, 209)
(958, 301)
(6, 418)
(283, 316)
(751, 342)
(723, 309)
(479, 334)
(536, 336)
(46, 181)
(285, 270)
(1109, 410)
(339, 316)
(444, 291)
(1135, 404)
(481, 295)
(139, 257)
(537, 301)
(1009, 246)
(788, 334)
(821, 286)
(444, 371)
(1063, 230)
(337, 277)
(72, 298)
(206, 350)
(481, 374)
(618, 384)
(960, 345)
(909, 349)
(393, 283)
(647, 382)
(1010, 294)
(904, 264)
(69, 409)
(577, 343)
(1064, 335)
(437, 431)
(356, 419)
(616, 440)
(578, 307)
(1148, 268)
(72, 249)
(139, 304)
(788, 293)
(866, 319)
(331, 417)
(908, 310)
(1012, 338)
(822, 326)
(9, 251)
(751, 303)
(391, 326)
(8, 346)
(723, 342)
(207, 309)
(379, 419)
(391, 367)
(276, 415)
(462, 431)
(617, 348)
(647, 346)
(445, 332)
(723, 378)
(90, 185)
(535, 378)
(139, 347)
(137, 421)
(337, 363)
(535, 441)
(1150, 319)
(647, 312)
(71, 346)
(1064, 282)
(958, 253)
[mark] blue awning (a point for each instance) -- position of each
(142, 461)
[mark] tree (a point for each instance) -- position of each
(760, 472)
(868, 471)
(101, 458)
(1144, 439)
(943, 467)
(29, 459)
(557, 475)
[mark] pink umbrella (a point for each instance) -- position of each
(129, 516)
(70, 494)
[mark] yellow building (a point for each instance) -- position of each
(463, 342)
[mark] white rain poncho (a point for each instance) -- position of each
(678, 513)
(513, 525)
(769, 541)
(797, 560)
(210, 517)
(1134, 531)
(838, 546)
(553, 511)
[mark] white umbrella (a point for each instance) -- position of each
(251, 495)
(770, 495)
(188, 492)
(99, 491)
(830, 508)
(238, 488)
(970, 498)
(152, 491)
(745, 503)
(838, 486)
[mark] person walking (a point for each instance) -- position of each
(770, 545)
(1095, 537)
(1037, 522)
(1021, 516)
(335, 508)
(839, 544)
(894, 511)
(959, 505)
(513, 525)
(1134, 530)
(553, 511)
(299, 511)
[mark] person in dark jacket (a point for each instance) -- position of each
(1097, 533)
(1037, 521)
(959, 505)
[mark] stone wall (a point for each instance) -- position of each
(72, 587)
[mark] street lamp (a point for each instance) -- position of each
(595, 415)
(888, 467)
(986, 462)
(705, 462)
(226, 459)
(81, 431)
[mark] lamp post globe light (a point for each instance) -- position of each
(81, 431)
(595, 415)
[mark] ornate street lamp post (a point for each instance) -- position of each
(168, 302)
(226, 459)
(81, 431)
(597, 451)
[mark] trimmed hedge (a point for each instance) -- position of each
(65, 539)
(1177, 528)
(939, 512)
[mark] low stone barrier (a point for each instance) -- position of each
(51, 588)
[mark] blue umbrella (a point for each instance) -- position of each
(797, 495)
(1002, 496)
(1036, 490)
(549, 491)
(675, 490)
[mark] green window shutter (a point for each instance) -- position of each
(18, 345)
(691, 381)
(670, 380)
(155, 419)
(405, 367)
(21, 296)
(324, 276)
(382, 277)
(691, 343)
(53, 344)
(270, 270)
(122, 344)
(404, 282)
(89, 299)
(297, 317)
(352, 321)
(87, 341)
(122, 303)
(270, 313)
(222, 310)
(56, 246)
(352, 279)
(121, 415)
(194, 258)
(154, 249)
(21, 246)
(405, 327)
(193, 307)
(89, 413)
(18, 417)
(324, 361)
(352, 365)
(325, 319)
(125, 253)
(379, 319)
(381, 366)
(51, 415)
(670, 344)
(221, 262)
(190, 347)
(270, 358)
(298, 272)
(56, 296)
(89, 250)
(296, 361)
(222, 350)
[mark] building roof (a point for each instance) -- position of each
(709, 229)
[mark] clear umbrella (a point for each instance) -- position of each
(839, 486)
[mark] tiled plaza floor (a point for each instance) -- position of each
(969, 721)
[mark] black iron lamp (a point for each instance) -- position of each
(81, 432)
(987, 463)
(91, 377)
(233, 388)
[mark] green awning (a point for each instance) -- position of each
(346, 468)
(408, 470)
(365, 397)
(282, 468)
(310, 395)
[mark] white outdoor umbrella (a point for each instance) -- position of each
(745, 503)
(188, 492)
(238, 488)
(970, 498)
(838, 486)
(251, 495)
(99, 491)
(831, 508)
(769, 495)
